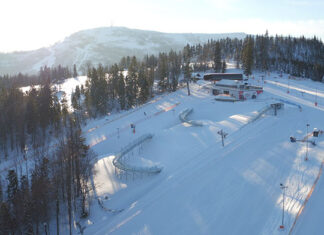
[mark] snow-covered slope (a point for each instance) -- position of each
(68, 86)
(101, 45)
(64, 89)
(205, 188)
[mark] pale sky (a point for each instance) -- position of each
(31, 24)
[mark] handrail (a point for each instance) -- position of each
(183, 118)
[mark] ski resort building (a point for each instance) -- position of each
(236, 89)
(232, 84)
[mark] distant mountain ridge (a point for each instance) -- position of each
(105, 45)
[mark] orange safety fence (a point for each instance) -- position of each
(307, 198)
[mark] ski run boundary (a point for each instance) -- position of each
(301, 209)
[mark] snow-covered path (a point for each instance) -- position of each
(293, 86)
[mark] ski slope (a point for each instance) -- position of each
(64, 89)
(205, 188)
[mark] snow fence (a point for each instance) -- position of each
(121, 164)
(183, 118)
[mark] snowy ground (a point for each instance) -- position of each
(205, 188)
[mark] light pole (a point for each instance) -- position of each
(223, 134)
(283, 188)
(316, 97)
(288, 86)
(118, 132)
(306, 157)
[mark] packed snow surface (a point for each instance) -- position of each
(205, 188)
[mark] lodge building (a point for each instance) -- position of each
(232, 84)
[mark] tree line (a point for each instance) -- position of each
(57, 185)
(48, 179)
(303, 57)
(55, 74)
(127, 84)
(27, 119)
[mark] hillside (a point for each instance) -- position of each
(101, 45)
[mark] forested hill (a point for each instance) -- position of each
(303, 57)
(101, 45)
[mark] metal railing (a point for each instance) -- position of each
(119, 163)
(183, 118)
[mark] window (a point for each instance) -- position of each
(215, 92)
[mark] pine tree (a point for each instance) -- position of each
(264, 52)
(223, 66)
(150, 79)
(40, 192)
(28, 220)
(217, 58)
(162, 69)
(6, 225)
(121, 91)
(247, 55)
(131, 83)
(143, 85)
(187, 75)
(75, 73)
(1, 191)
(187, 54)
(98, 91)
(45, 102)
(175, 64)
(12, 187)
(76, 103)
(237, 57)
(65, 108)
(31, 115)
(12, 195)
(26, 206)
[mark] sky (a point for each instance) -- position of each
(32, 24)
